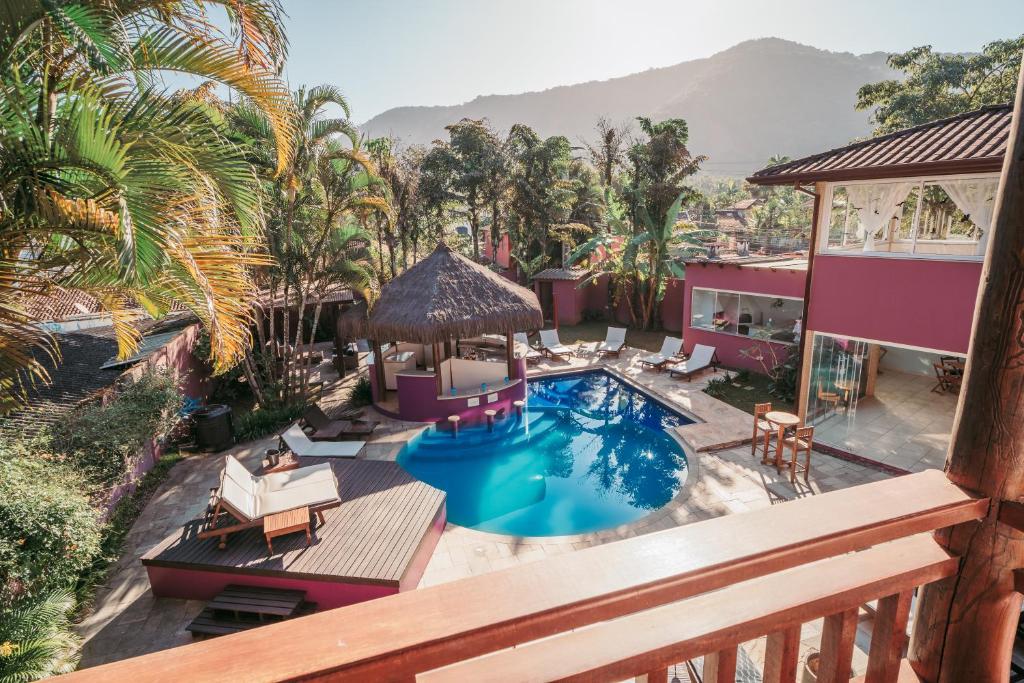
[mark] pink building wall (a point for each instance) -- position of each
(571, 300)
(672, 305)
(504, 249)
(760, 280)
(917, 302)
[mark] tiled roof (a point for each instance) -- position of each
(730, 224)
(79, 373)
(76, 377)
(742, 205)
(974, 142)
(562, 274)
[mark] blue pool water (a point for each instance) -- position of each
(589, 454)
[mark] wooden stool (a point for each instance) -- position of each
(490, 418)
(761, 425)
(519, 407)
(453, 420)
(803, 440)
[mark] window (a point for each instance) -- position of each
(931, 217)
(747, 315)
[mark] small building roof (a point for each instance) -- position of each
(974, 142)
(572, 274)
(446, 296)
(742, 205)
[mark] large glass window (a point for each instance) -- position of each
(748, 315)
(940, 216)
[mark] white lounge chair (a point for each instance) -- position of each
(247, 499)
(613, 341)
(670, 348)
(531, 354)
(299, 444)
(550, 344)
(701, 358)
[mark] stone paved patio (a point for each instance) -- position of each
(128, 620)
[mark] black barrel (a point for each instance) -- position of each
(214, 431)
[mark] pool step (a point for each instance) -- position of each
(478, 441)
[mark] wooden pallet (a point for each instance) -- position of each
(239, 608)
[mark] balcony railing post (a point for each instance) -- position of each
(655, 676)
(720, 667)
(888, 636)
(837, 639)
(964, 626)
(781, 655)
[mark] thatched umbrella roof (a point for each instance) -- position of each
(351, 323)
(447, 296)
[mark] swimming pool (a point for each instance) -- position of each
(590, 453)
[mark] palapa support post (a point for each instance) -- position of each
(510, 349)
(964, 626)
(435, 351)
(378, 368)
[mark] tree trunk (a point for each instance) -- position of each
(474, 227)
(965, 625)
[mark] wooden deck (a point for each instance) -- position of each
(378, 535)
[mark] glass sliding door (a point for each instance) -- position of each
(837, 383)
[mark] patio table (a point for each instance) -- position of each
(783, 421)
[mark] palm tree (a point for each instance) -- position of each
(112, 186)
(311, 209)
(36, 640)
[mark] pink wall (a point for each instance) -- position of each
(762, 280)
(918, 302)
(418, 400)
(504, 249)
(196, 584)
(672, 305)
(176, 356)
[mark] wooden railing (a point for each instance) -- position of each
(628, 608)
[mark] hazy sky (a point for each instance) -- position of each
(385, 53)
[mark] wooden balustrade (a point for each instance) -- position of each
(636, 605)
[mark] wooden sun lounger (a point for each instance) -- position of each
(671, 348)
(614, 342)
(326, 429)
(701, 358)
(244, 501)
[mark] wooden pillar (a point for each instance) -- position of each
(510, 348)
(435, 351)
(720, 667)
(838, 635)
(874, 356)
(378, 367)
(964, 626)
(804, 349)
(781, 655)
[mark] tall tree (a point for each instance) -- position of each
(938, 85)
(655, 192)
(312, 208)
(608, 151)
(464, 165)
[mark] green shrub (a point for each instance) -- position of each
(49, 532)
(716, 385)
(36, 640)
(103, 442)
(260, 422)
(743, 376)
(362, 393)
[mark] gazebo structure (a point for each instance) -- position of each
(444, 307)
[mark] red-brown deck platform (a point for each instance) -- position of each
(378, 542)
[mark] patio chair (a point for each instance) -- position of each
(670, 348)
(243, 500)
(829, 398)
(532, 355)
(702, 358)
(325, 429)
(948, 378)
(614, 342)
(298, 443)
(802, 441)
(763, 430)
(551, 346)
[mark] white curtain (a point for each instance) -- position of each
(976, 197)
(875, 205)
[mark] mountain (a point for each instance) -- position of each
(743, 105)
